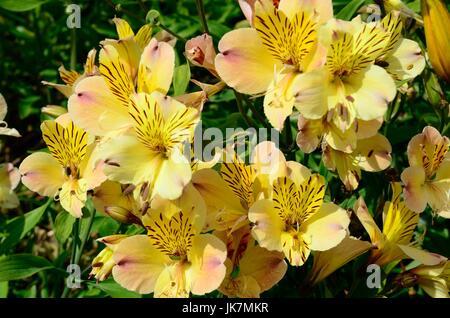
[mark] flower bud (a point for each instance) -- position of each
(200, 52)
(437, 23)
(103, 263)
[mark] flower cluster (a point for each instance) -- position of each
(236, 223)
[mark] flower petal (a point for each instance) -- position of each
(415, 195)
(208, 270)
(244, 63)
(371, 90)
(328, 227)
(42, 173)
(138, 264)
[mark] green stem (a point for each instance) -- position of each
(73, 51)
(240, 106)
(84, 239)
(256, 113)
(74, 251)
(201, 13)
(179, 37)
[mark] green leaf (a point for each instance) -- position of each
(114, 290)
(63, 226)
(181, 78)
(17, 228)
(4, 289)
(22, 5)
(20, 266)
(350, 9)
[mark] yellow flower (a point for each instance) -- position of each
(9, 180)
(69, 171)
(251, 269)
(427, 180)
(350, 86)
(174, 259)
(296, 220)
(269, 57)
(151, 152)
(327, 262)
(71, 78)
(230, 194)
(436, 19)
(312, 133)
(103, 263)
(371, 154)
(399, 224)
(132, 64)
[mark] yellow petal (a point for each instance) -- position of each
(406, 61)
(143, 36)
(123, 28)
(424, 257)
(42, 173)
(244, 63)
(326, 263)
(138, 264)
(268, 226)
(94, 108)
(156, 67)
(323, 8)
(371, 91)
(362, 212)
(374, 153)
(73, 196)
(327, 227)
(309, 134)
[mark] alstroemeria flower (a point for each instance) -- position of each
(372, 154)
(9, 180)
(434, 280)
(4, 130)
(296, 219)
(103, 263)
(71, 78)
(350, 85)
(174, 259)
(251, 269)
(401, 58)
(427, 180)
(229, 195)
(399, 224)
(151, 152)
(68, 171)
(312, 133)
(133, 64)
(272, 55)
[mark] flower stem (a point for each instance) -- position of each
(74, 251)
(201, 13)
(73, 50)
(240, 106)
(179, 37)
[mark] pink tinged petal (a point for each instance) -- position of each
(309, 134)
(406, 61)
(42, 173)
(138, 264)
(244, 63)
(374, 154)
(268, 226)
(328, 227)
(91, 169)
(94, 108)
(268, 159)
(266, 267)
(13, 175)
(366, 129)
(424, 257)
(200, 52)
(415, 195)
(156, 67)
(207, 255)
(248, 9)
(372, 90)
